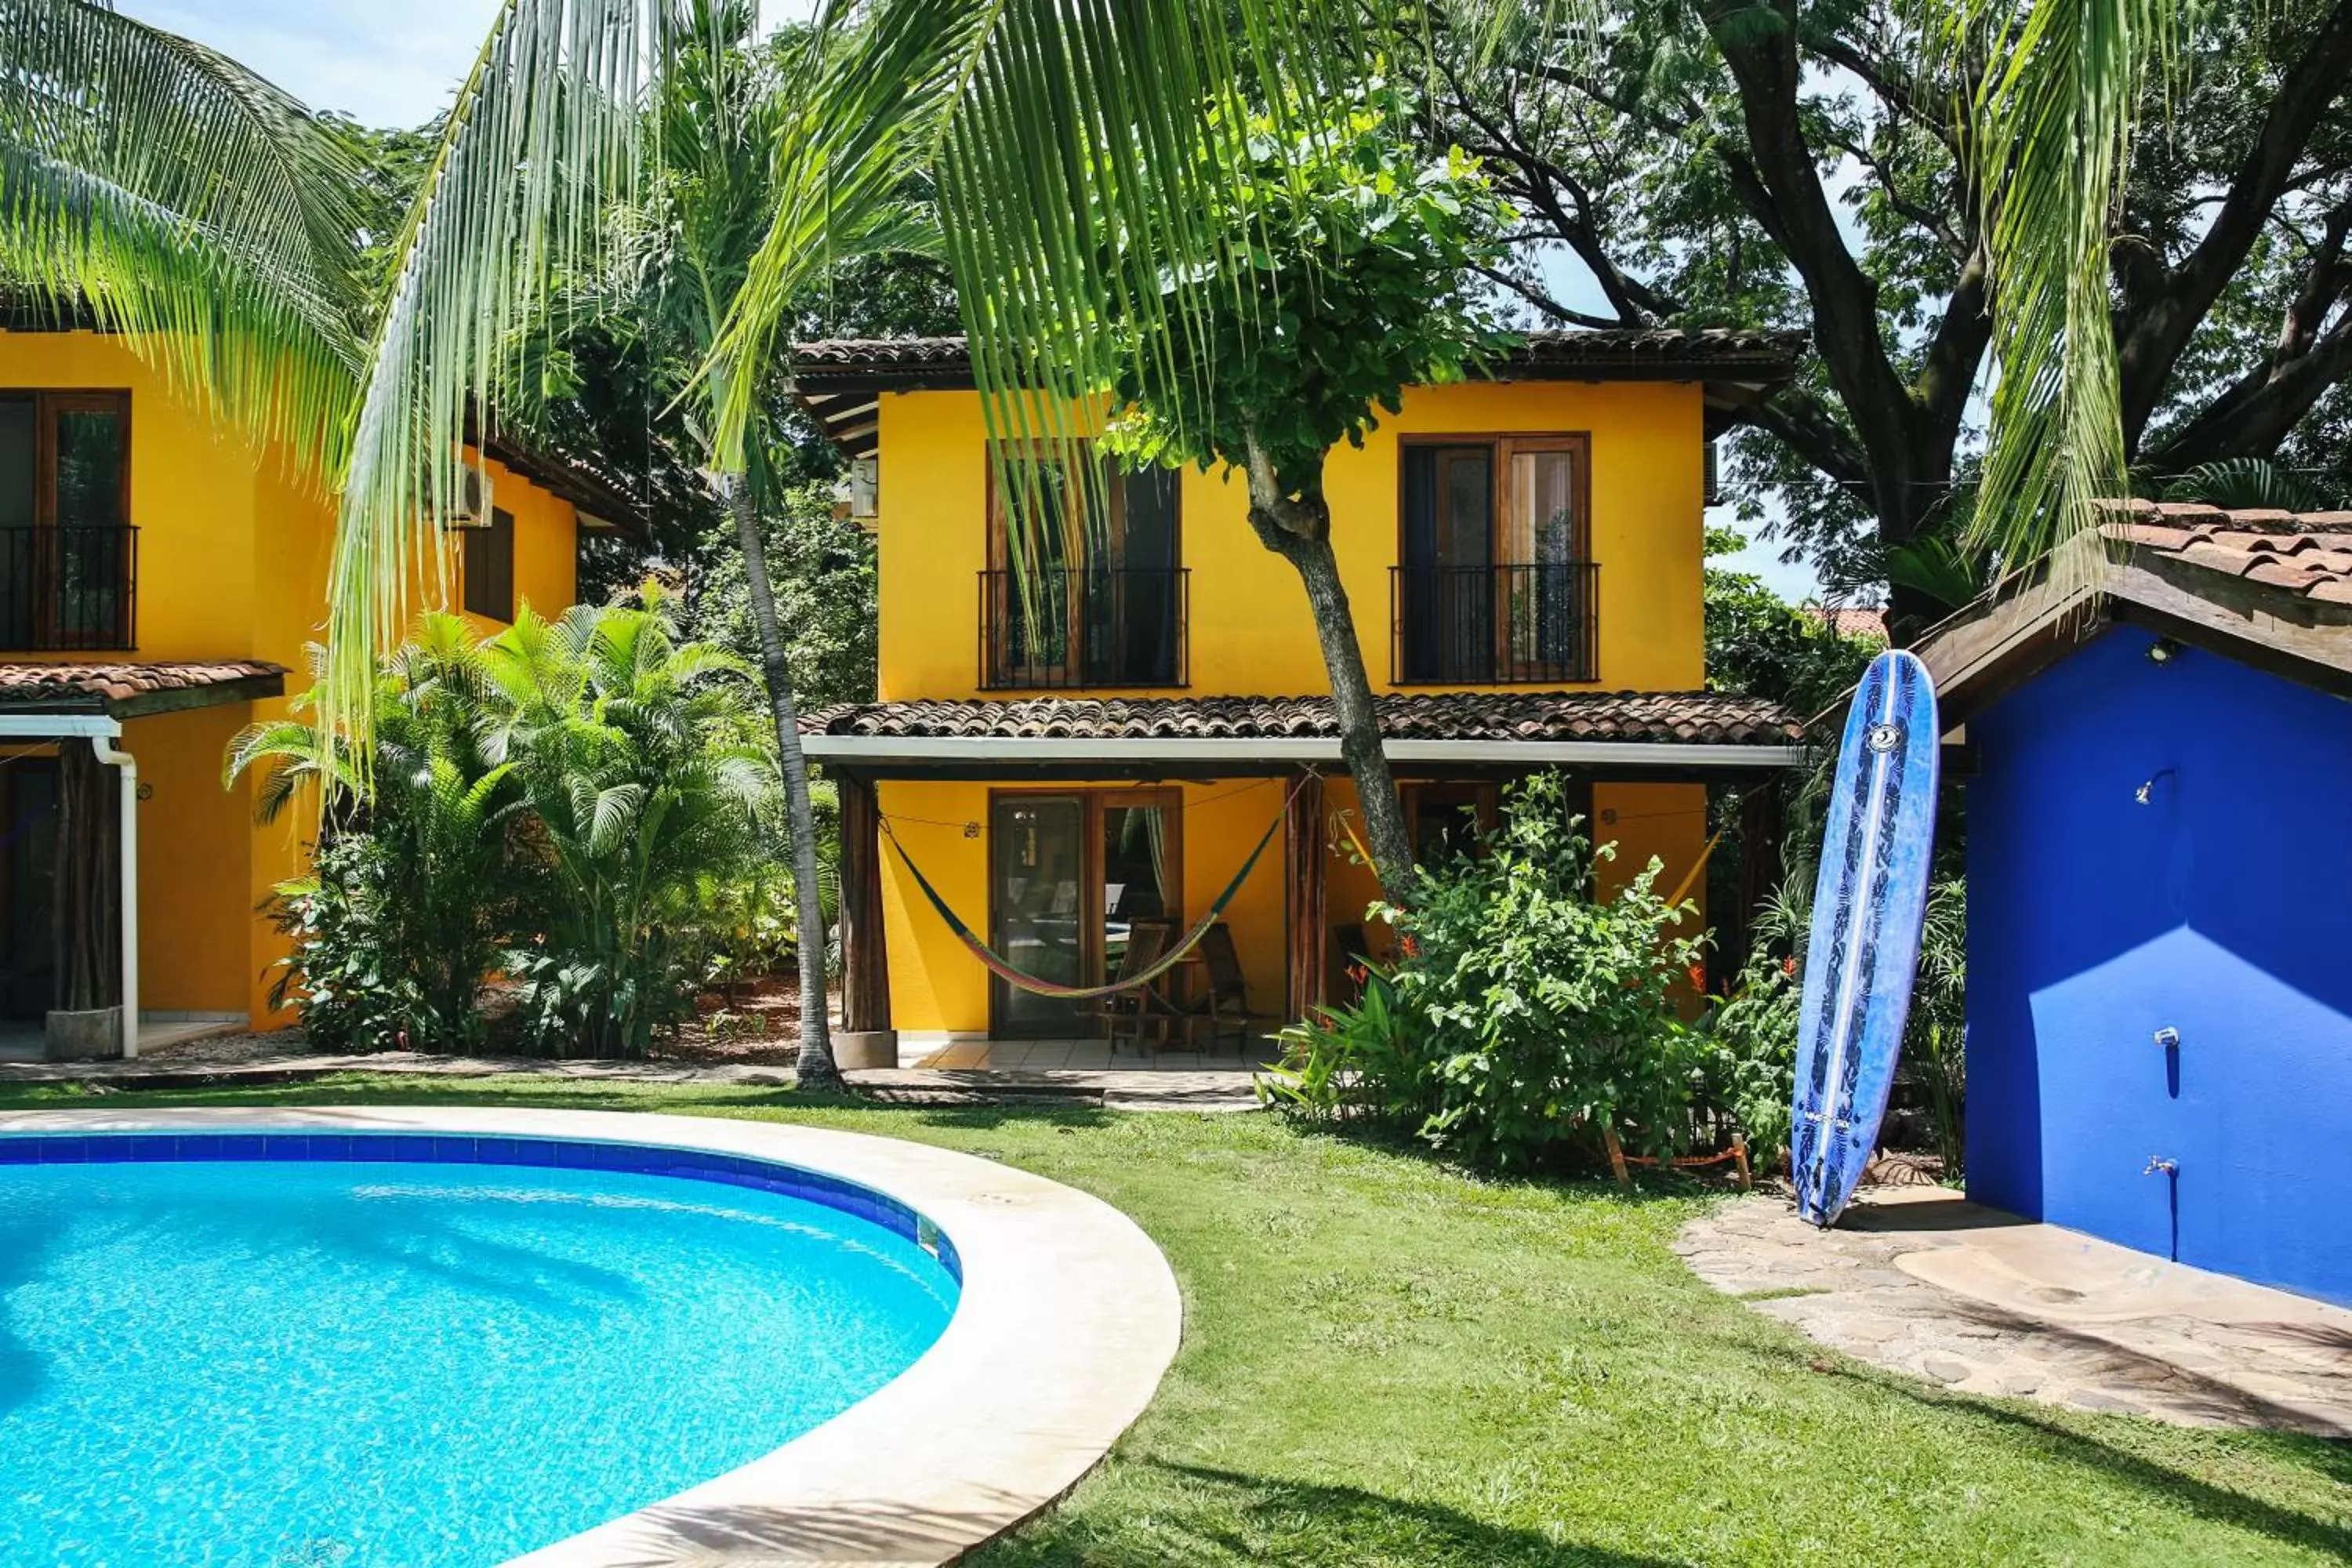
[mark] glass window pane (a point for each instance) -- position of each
(1542, 528)
(1038, 846)
(89, 467)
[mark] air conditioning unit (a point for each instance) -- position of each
(473, 507)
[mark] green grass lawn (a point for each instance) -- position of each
(1385, 1362)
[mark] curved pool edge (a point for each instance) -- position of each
(1068, 1319)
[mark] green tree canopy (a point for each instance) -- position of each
(1756, 163)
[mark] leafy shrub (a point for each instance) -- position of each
(420, 868)
(349, 972)
(572, 803)
(1528, 1013)
(1752, 1033)
(1550, 1010)
(1359, 1063)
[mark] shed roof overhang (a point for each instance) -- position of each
(2194, 595)
(34, 695)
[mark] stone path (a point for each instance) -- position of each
(232, 1064)
(1925, 1283)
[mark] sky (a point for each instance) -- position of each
(397, 62)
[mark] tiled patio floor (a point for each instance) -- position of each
(22, 1042)
(1076, 1056)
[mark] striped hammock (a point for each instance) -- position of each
(1002, 969)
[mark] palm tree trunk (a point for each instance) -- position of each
(816, 1070)
(1297, 527)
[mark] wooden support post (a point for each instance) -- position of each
(865, 953)
(1306, 901)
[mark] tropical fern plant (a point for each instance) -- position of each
(636, 758)
(420, 867)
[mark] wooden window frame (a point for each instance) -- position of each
(999, 672)
(1092, 916)
(1503, 445)
(1506, 445)
(47, 403)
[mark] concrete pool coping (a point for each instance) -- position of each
(1068, 1318)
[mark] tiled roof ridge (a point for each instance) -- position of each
(1541, 343)
(2308, 555)
(1693, 716)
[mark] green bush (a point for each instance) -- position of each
(1527, 1015)
(581, 805)
(1360, 1064)
(419, 869)
(352, 975)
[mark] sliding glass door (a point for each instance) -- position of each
(1071, 874)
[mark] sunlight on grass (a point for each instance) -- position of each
(1387, 1364)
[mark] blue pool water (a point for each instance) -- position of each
(377, 1364)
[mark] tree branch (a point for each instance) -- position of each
(1758, 41)
(2256, 414)
(2162, 327)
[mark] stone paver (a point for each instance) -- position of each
(1981, 1302)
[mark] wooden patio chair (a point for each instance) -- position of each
(1142, 1008)
(1222, 1003)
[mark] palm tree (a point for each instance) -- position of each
(719, 106)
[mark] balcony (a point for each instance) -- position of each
(1070, 629)
(66, 587)
(1493, 626)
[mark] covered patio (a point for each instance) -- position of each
(957, 802)
(71, 859)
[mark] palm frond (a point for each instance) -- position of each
(544, 129)
(2239, 483)
(2060, 86)
(160, 190)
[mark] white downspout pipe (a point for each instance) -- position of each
(103, 748)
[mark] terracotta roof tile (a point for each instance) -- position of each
(1663, 350)
(2307, 555)
(23, 684)
(1692, 718)
(1850, 620)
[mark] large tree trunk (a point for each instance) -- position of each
(817, 1070)
(1295, 524)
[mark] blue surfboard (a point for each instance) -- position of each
(1868, 906)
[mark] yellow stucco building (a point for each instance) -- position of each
(159, 581)
(1099, 742)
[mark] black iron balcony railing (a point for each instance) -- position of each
(1066, 629)
(67, 588)
(1493, 626)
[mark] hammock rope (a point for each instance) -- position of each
(1003, 968)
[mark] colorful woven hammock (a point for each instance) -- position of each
(1003, 970)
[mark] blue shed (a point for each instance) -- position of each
(2159, 776)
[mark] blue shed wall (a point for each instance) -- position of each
(2221, 909)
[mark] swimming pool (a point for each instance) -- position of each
(302, 1349)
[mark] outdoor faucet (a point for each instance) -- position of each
(2141, 795)
(2159, 1162)
(2168, 1037)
